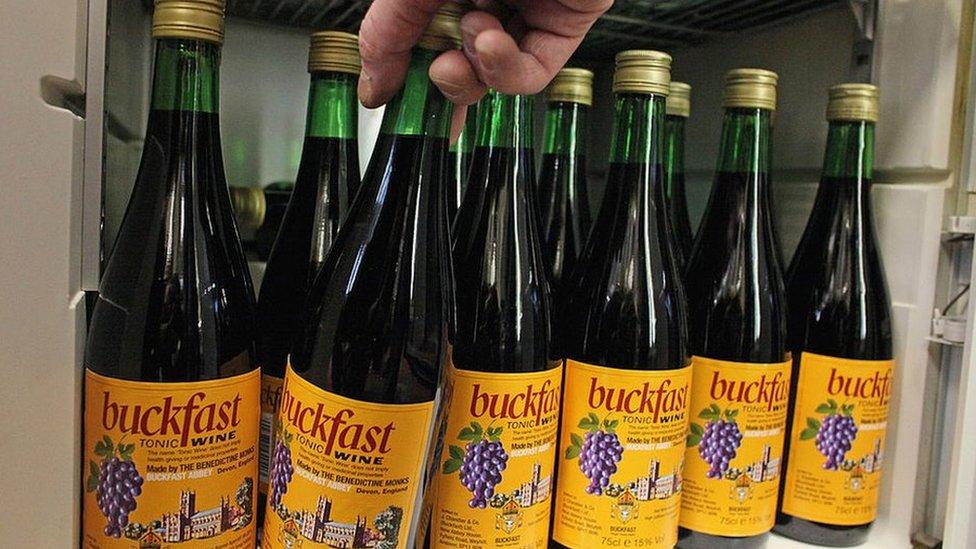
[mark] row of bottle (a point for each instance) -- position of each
(411, 383)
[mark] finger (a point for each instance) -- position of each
(388, 32)
(454, 75)
(497, 59)
(548, 32)
(457, 122)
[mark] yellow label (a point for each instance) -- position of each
(344, 473)
(840, 413)
(495, 479)
(170, 464)
(735, 446)
(621, 452)
(270, 397)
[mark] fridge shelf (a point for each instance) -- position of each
(661, 24)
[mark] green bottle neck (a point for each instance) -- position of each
(505, 121)
(850, 150)
(186, 76)
(638, 125)
(745, 141)
(674, 144)
(418, 108)
(465, 141)
(332, 106)
(565, 129)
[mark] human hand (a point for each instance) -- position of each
(513, 46)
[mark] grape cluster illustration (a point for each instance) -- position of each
(281, 466)
(116, 482)
(719, 441)
(599, 451)
(480, 464)
(481, 470)
(834, 435)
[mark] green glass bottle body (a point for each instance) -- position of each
(153, 321)
(328, 177)
(459, 161)
(674, 177)
(737, 309)
(172, 327)
(372, 285)
(500, 348)
(566, 217)
(276, 198)
(625, 314)
(838, 299)
(497, 248)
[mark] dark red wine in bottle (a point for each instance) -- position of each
(328, 177)
(566, 217)
(171, 390)
(361, 390)
(737, 330)
(840, 336)
(498, 429)
(459, 161)
(678, 111)
(628, 374)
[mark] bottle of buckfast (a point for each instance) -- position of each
(493, 483)
(328, 178)
(362, 387)
(171, 389)
(840, 335)
(737, 330)
(628, 374)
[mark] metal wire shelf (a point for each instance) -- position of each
(664, 24)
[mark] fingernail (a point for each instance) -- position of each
(366, 89)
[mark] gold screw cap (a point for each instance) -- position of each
(249, 207)
(334, 51)
(192, 19)
(853, 102)
(572, 85)
(444, 30)
(750, 89)
(679, 101)
(642, 71)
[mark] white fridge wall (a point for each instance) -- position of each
(264, 96)
(41, 308)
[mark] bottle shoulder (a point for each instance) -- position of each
(175, 301)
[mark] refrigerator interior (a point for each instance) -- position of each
(917, 52)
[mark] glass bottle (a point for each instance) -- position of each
(459, 161)
(737, 329)
(840, 337)
(627, 383)
(499, 426)
(362, 386)
(566, 217)
(170, 381)
(678, 111)
(328, 177)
